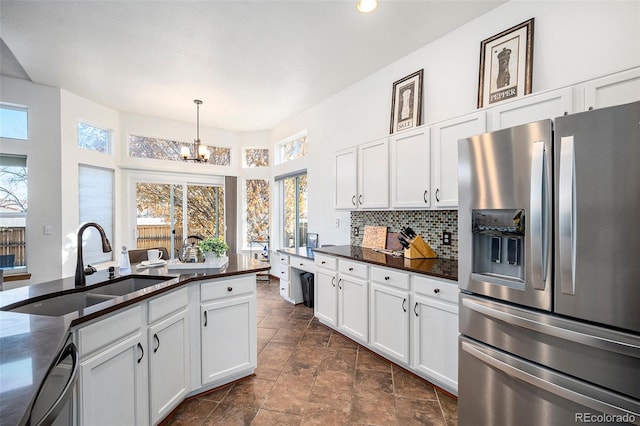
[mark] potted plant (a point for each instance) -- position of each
(214, 250)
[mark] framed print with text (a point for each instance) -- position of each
(506, 64)
(406, 102)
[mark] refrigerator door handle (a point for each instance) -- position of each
(606, 344)
(567, 216)
(563, 387)
(540, 213)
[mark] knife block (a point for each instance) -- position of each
(419, 249)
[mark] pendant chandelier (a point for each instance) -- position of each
(200, 152)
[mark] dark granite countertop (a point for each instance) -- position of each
(307, 253)
(441, 268)
(29, 343)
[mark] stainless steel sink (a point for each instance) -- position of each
(61, 305)
(56, 306)
(128, 285)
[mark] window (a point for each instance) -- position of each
(93, 138)
(293, 148)
(256, 157)
(294, 207)
(95, 201)
(13, 213)
(160, 213)
(164, 149)
(13, 122)
(257, 202)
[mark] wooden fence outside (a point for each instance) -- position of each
(12, 243)
(157, 236)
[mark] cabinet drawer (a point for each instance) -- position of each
(435, 288)
(302, 263)
(284, 288)
(284, 259)
(356, 269)
(390, 277)
(325, 261)
(166, 304)
(219, 289)
(108, 331)
(284, 273)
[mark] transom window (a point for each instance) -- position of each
(14, 122)
(165, 149)
(293, 148)
(256, 157)
(93, 138)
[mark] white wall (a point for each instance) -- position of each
(573, 41)
(44, 169)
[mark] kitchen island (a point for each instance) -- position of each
(29, 343)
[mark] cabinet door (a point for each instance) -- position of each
(435, 339)
(113, 386)
(533, 108)
(617, 89)
(228, 337)
(326, 301)
(411, 169)
(346, 179)
(389, 322)
(353, 308)
(445, 155)
(373, 175)
(168, 364)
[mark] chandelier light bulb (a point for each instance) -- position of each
(366, 6)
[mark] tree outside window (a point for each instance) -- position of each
(257, 201)
(294, 191)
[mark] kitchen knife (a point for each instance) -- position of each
(403, 242)
(410, 232)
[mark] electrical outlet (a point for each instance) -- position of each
(356, 231)
(446, 238)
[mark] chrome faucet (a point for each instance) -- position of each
(81, 271)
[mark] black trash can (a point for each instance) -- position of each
(306, 279)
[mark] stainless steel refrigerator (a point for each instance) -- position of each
(549, 272)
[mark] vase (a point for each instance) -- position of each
(212, 260)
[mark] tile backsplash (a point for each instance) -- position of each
(428, 223)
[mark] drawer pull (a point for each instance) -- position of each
(323, 262)
(350, 269)
(414, 309)
(404, 301)
(387, 278)
(157, 339)
(282, 289)
(302, 264)
(141, 350)
(229, 288)
(282, 272)
(333, 281)
(205, 318)
(339, 281)
(436, 290)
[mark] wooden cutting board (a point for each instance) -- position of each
(374, 237)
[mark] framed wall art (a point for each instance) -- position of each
(506, 64)
(406, 102)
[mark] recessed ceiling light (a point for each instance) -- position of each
(366, 6)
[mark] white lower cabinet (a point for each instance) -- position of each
(228, 330)
(389, 322)
(435, 331)
(137, 364)
(326, 297)
(168, 364)
(113, 386)
(353, 300)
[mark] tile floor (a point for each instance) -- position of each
(310, 375)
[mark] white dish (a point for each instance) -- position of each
(152, 264)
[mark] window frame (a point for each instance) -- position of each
(16, 107)
(298, 240)
(109, 132)
(22, 216)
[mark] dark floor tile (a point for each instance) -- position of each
(338, 341)
(372, 382)
(327, 406)
(408, 385)
(273, 418)
(418, 412)
(288, 395)
(218, 394)
(272, 359)
(449, 406)
(229, 413)
(368, 360)
(372, 409)
(249, 393)
(194, 410)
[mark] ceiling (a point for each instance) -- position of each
(253, 63)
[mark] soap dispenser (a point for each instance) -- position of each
(125, 265)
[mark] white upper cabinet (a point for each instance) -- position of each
(617, 89)
(411, 169)
(445, 137)
(346, 179)
(532, 108)
(373, 174)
